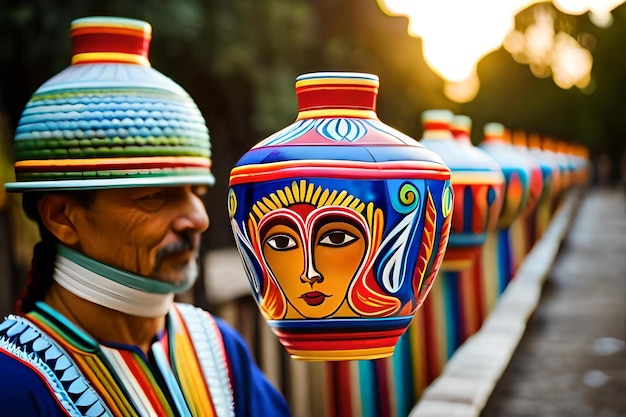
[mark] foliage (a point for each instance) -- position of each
(239, 60)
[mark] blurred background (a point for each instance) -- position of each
(551, 68)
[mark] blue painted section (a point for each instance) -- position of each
(350, 325)
(403, 375)
(452, 311)
(369, 396)
(468, 206)
(469, 239)
(342, 153)
(504, 260)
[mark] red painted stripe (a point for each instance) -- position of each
(110, 42)
(340, 373)
(384, 396)
(346, 341)
(339, 335)
(336, 96)
(430, 335)
(337, 172)
(436, 125)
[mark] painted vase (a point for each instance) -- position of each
(341, 222)
(519, 141)
(517, 174)
(549, 148)
(541, 150)
(580, 162)
(109, 120)
(542, 215)
(478, 185)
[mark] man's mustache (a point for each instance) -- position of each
(185, 244)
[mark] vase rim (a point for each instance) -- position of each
(338, 74)
(337, 94)
(461, 122)
(111, 21)
(108, 39)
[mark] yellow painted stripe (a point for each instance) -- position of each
(457, 265)
(344, 355)
(117, 23)
(435, 134)
(439, 318)
(110, 56)
(489, 279)
(468, 177)
(336, 81)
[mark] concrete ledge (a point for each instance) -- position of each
(470, 376)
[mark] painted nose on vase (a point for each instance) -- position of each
(310, 274)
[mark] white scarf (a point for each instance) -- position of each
(112, 287)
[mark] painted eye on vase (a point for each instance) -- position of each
(336, 238)
(281, 242)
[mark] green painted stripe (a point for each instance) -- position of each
(121, 91)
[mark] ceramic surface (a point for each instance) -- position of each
(341, 222)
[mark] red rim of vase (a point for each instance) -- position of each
(110, 40)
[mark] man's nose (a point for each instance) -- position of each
(193, 214)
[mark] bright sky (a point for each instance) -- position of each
(456, 34)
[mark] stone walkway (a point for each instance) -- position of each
(571, 360)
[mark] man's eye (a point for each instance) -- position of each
(200, 190)
(152, 196)
(152, 201)
(281, 242)
(337, 238)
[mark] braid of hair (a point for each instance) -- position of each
(39, 279)
(40, 276)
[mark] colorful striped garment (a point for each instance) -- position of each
(198, 366)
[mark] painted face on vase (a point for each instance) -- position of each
(314, 253)
(316, 248)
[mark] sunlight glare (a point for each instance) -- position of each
(457, 34)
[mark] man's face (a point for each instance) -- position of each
(151, 231)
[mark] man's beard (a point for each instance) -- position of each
(184, 275)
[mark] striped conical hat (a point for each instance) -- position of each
(109, 120)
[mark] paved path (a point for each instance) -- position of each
(571, 361)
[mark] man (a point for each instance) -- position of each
(120, 213)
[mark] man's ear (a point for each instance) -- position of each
(56, 214)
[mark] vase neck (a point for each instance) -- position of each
(496, 133)
(436, 124)
(330, 94)
(110, 40)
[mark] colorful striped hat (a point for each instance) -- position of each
(109, 120)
